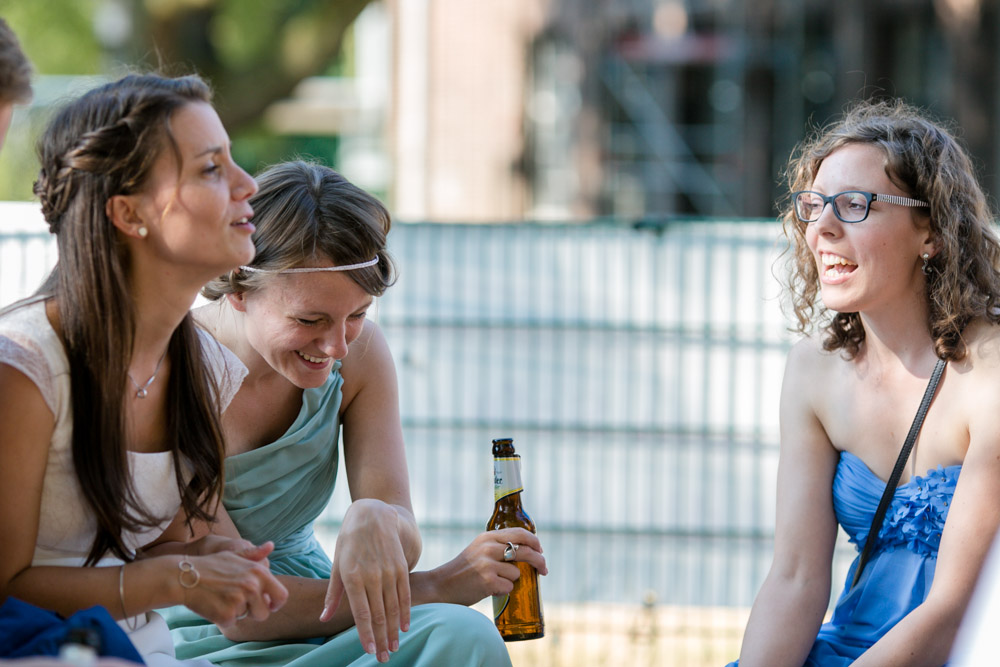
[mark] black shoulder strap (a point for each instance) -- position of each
(890, 486)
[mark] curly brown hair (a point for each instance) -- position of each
(15, 70)
(925, 161)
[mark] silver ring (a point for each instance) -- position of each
(244, 614)
(510, 551)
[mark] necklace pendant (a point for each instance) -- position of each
(140, 392)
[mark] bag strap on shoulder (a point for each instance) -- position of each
(897, 471)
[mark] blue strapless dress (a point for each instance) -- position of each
(899, 574)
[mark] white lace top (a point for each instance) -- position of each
(66, 526)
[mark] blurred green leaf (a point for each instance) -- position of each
(253, 52)
(58, 35)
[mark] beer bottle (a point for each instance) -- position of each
(517, 615)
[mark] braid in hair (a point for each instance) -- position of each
(101, 145)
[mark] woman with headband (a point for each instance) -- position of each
(296, 317)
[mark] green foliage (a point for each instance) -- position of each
(291, 30)
(243, 29)
(254, 52)
(57, 35)
(254, 149)
(18, 164)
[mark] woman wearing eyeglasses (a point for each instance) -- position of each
(895, 286)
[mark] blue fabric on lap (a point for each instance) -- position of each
(27, 630)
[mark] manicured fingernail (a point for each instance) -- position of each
(394, 646)
(405, 627)
(370, 648)
(383, 656)
(325, 616)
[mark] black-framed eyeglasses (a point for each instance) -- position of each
(849, 206)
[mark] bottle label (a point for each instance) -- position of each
(506, 477)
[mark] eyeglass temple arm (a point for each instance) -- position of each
(899, 201)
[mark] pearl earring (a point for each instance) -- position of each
(926, 268)
(143, 231)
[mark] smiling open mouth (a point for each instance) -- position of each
(836, 265)
(315, 360)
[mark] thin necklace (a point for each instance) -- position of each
(141, 391)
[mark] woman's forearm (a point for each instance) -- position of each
(148, 584)
(426, 587)
(922, 637)
(299, 618)
(784, 621)
(219, 587)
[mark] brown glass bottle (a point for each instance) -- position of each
(517, 615)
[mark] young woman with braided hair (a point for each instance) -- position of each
(109, 395)
(895, 283)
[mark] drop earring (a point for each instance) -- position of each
(143, 232)
(926, 268)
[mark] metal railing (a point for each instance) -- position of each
(637, 368)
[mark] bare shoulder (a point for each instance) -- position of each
(976, 377)
(808, 363)
(808, 349)
(26, 423)
(368, 351)
(811, 394)
(20, 393)
(368, 363)
(982, 340)
(975, 384)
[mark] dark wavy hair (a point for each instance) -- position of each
(306, 212)
(926, 162)
(100, 145)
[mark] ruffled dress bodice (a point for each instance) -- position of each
(899, 574)
(916, 516)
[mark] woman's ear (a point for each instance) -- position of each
(124, 215)
(238, 301)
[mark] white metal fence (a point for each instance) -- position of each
(637, 368)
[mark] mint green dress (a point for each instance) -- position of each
(275, 493)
